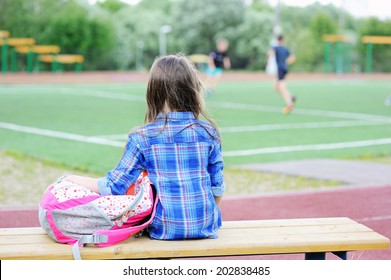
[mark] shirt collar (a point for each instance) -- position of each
(176, 115)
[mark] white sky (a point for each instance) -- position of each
(359, 8)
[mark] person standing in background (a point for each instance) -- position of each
(218, 60)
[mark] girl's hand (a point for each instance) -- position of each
(88, 182)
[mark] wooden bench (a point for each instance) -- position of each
(200, 60)
(58, 60)
(314, 237)
(33, 50)
(12, 42)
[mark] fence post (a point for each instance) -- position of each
(30, 61)
(326, 61)
(78, 67)
(54, 64)
(338, 58)
(368, 58)
(13, 60)
(4, 57)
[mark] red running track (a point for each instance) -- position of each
(370, 206)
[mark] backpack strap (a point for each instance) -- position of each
(87, 239)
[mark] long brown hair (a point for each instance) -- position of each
(174, 82)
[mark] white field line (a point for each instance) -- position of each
(298, 111)
(365, 118)
(310, 147)
(287, 126)
(270, 150)
(61, 135)
(104, 94)
(225, 105)
(77, 92)
(270, 127)
(113, 136)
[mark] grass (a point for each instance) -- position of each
(247, 182)
(106, 110)
(25, 178)
(92, 110)
(384, 159)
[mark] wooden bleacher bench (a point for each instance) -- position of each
(39, 49)
(60, 59)
(313, 237)
(199, 58)
(33, 50)
(4, 33)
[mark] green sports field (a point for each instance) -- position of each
(85, 125)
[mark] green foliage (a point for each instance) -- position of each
(111, 5)
(257, 31)
(27, 18)
(75, 31)
(304, 28)
(197, 24)
(311, 57)
(322, 24)
(135, 26)
(67, 23)
(114, 35)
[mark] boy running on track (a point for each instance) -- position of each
(283, 58)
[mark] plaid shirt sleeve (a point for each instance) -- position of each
(215, 168)
(127, 171)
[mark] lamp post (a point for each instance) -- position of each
(139, 55)
(164, 29)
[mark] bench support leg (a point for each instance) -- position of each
(343, 255)
(315, 256)
(322, 255)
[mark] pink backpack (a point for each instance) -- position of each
(74, 214)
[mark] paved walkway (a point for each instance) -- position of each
(344, 171)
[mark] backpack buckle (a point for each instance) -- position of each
(98, 238)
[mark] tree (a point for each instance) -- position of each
(254, 40)
(305, 41)
(67, 23)
(197, 24)
(112, 5)
(322, 24)
(75, 31)
(28, 18)
(139, 24)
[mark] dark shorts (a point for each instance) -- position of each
(281, 74)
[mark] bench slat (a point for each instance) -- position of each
(229, 232)
(21, 231)
(287, 222)
(244, 246)
(226, 224)
(235, 238)
(145, 248)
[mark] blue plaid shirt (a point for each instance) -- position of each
(185, 164)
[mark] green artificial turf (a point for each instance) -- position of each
(104, 110)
